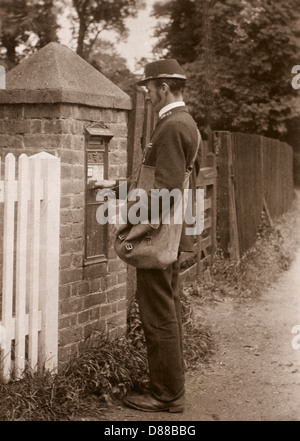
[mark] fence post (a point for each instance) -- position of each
(226, 216)
(49, 259)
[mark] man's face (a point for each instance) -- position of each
(157, 96)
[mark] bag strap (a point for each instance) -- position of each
(190, 167)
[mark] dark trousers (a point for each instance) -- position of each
(160, 312)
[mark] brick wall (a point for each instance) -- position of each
(90, 296)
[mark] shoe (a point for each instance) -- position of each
(148, 403)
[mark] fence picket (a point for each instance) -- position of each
(23, 196)
(8, 264)
(29, 298)
(33, 260)
(49, 252)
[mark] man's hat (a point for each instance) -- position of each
(169, 68)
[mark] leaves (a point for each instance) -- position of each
(239, 77)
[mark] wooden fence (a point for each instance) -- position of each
(255, 173)
(29, 226)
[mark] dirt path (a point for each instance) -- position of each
(255, 372)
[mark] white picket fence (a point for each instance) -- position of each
(30, 264)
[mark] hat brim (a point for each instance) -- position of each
(167, 76)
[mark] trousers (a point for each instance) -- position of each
(160, 313)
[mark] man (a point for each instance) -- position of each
(174, 144)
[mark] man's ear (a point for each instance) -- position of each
(165, 87)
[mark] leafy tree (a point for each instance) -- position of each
(26, 25)
(245, 64)
(95, 16)
(107, 60)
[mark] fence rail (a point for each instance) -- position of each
(29, 263)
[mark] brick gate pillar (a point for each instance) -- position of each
(51, 102)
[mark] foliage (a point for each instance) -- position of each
(26, 25)
(105, 58)
(245, 63)
(95, 16)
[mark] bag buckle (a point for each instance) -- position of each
(128, 247)
(121, 237)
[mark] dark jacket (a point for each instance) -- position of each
(173, 147)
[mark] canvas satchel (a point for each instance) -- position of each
(153, 246)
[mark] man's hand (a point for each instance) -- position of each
(115, 227)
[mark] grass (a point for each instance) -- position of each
(105, 370)
(258, 269)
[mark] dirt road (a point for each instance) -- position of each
(255, 372)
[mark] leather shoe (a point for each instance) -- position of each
(148, 403)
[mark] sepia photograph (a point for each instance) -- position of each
(149, 213)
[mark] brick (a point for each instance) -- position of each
(90, 114)
(105, 310)
(83, 317)
(4, 140)
(78, 142)
(71, 335)
(116, 293)
(95, 313)
(72, 305)
(64, 292)
(116, 265)
(71, 246)
(69, 111)
(112, 280)
(36, 125)
(117, 157)
(122, 305)
(57, 126)
(78, 199)
(90, 328)
(117, 171)
(78, 127)
(77, 260)
(70, 275)
(78, 171)
(95, 271)
(12, 111)
(64, 354)
(42, 110)
(65, 261)
(122, 278)
(94, 299)
(65, 216)
(77, 215)
(65, 231)
(94, 285)
(118, 129)
(66, 156)
(65, 201)
(67, 321)
(119, 319)
(66, 171)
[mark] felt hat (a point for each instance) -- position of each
(168, 68)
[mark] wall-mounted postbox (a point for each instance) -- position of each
(98, 137)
